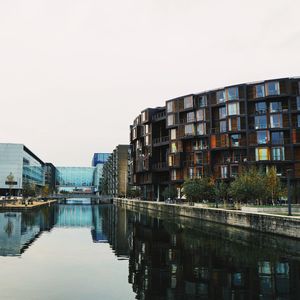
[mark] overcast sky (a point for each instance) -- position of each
(74, 74)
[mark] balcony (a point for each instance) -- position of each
(159, 116)
(160, 166)
(164, 140)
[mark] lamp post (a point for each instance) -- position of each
(289, 173)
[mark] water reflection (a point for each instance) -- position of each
(168, 258)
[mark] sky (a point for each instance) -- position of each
(75, 73)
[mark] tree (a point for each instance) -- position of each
(274, 189)
(222, 190)
(29, 189)
(46, 191)
(199, 189)
(169, 192)
(10, 180)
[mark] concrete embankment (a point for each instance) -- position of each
(267, 223)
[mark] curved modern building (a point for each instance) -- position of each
(216, 133)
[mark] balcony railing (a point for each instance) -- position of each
(163, 139)
(159, 116)
(159, 166)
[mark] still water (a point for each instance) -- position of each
(105, 252)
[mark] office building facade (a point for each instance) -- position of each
(217, 133)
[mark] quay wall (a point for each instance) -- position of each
(267, 223)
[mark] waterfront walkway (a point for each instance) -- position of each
(17, 205)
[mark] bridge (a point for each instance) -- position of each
(75, 196)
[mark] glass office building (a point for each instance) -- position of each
(100, 159)
(22, 164)
(72, 179)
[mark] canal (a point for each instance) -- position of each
(105, 252)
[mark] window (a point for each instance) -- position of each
(170, 106)
(191, 172)
(262, 137)
(147, 140)
(222, 112)
(220, 96)
(298, 103)
(235, 140)
(171, 160)
(259, 91)
(234, 171)
(190, 117)
(201, 129)
(273, 88)
(277, 137)
(260, 107)
(173, 147)
(173, 134)
(234, 124)
(146, 128)
(199, 145)
(260, 122)
(276, 121)
(173, 175)
(223, 126)
(200, 115)
(233, 109)
(262, 154)
(232, 93)
(170, 120)
(275, 107)
(298, 120)
(143, 116)
(202, 101)
(224, 171)
(278, 153)
(188, 102)
(189, 129)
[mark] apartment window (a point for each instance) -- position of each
(202, 101)
(262, 154)
(220, 96)
(146, 128)
(199, 145)
(171, 160)
(298, 103)
(134, 133)
(223, 126)
(261, 107)
(234, 124)
(278, 153)
(190, 117)
(273, 88)
(232, 93)
(143, 116)
(222, 112)
(224, 171)
(233, 109)
(191, 172)
(173, 175)
(262, 137)
(147, 140)
(298, 120)
(171, 120)
(235, 140)
(200, 115)
(275, 107)
(170, 106)
(260, 122)
(173, 147)
(173, 134)
(189, 129)
(201, 129)
(277, 137)
(259, 91)
(188, 102)
(276, 121)
(234, 171)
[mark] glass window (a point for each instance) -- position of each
(173, 147)
(147, 140)
(200, 115)
(262, 154)
(235, 140)
(260, 107)
(222, 112)
(259, 91)
(190, 117)
(234, 171)
(234, 124)
(233, 109)
(143, 116)
(188, 102)
(199, 145)
(224, 171)
(223, 126)
(202, 101)
(173, 134)
(170, 120)
(201, 129)
(298, 103)
(277, 137)
(275, 106)
(276, 121)
(260, 122)
(173, 175)
(262, 137)
(298, 120)
(232, 93)
(146, 128)
(189, 129)
(278, 153)
(191, 172)
(273, 88)
(220, 96)
(170, 106)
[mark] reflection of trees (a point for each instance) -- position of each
(9, 227)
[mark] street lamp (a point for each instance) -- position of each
(289, 173)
